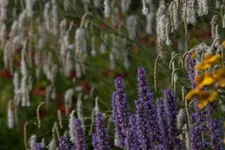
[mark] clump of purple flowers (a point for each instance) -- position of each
(152, 126)
(100, 136)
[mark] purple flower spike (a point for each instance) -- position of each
(171, 112)
(196, 138)
(63, 144)
(215, 128)
(119, 83)
(144, 133)
(38, 146)
(79, 135)
(120, 111)
(143, 88)
(100, 137)
(161, 117)
(131, 137)
(191, 71)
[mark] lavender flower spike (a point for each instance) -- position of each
(171, 112)
(131, 139)
(144, 132)
(120, 111)
(161, 117)
(63, 144)
(38, 146)
(144, 92)
(100, 137)
(215, 128)
(148, 106)
(191, 71)
(79, 139)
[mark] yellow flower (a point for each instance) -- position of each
(192, 93)
(222, 83)
(220, 73)
(223, 44)
(209, 60)
(208, 80)
(203, 66)
(205, 97)
(212, 59)
(199, 78)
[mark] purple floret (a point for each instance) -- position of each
(63, 144)
(79, 139)
(100, 137)
(120, 111)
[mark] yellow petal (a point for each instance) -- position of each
(214, 59)
(213, 96)
(223, 44)
(208, 80)
(203, 66)
(202, 104)
(199, 78)
(222, 83)
(192, 93)
(220, 73)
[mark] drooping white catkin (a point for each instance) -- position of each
(52, 145)
(10, 117)
(16, 85)
(80, 42)
(69, 64)
(217, 4)
(62, 28)
(21, 19)
(213, 26)
(162, 2)
(54, 14)
(78, 70)
(93, 50)
(14, 29)
(160, 28)
(181, 117)
(144, 8)
(115, 17)
(68, 100)
(126, 60)
(95, 111)
(103, 45)
(97, 3)
(187, 138)
(132, 26)
(53, 73)
(71, 126)
(223, 21)
(107, 8)
(46, 16)
(188, 12)
(66, 5)
(168, 41)
(42, 142)
(3, 13)
(3, 34)
(202, 7)
(79, 107)
(125, 5)
(60, 118)
(29, 7)
(112, 61)
(149, 19)
(32, 141)
(174, 13)
(24, 89)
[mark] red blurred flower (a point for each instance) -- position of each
(5, 73)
